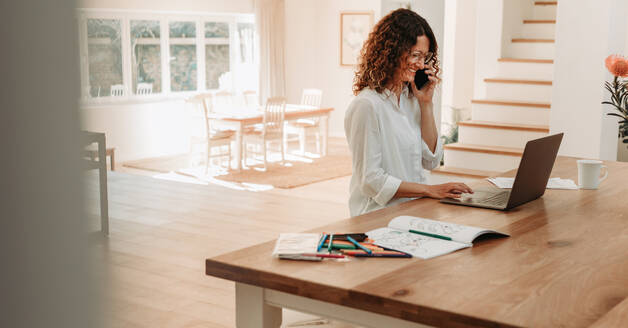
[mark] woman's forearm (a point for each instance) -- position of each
(410, 190)
(429, 133)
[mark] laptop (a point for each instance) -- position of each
(530, 183)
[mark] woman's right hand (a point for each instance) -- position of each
(447, 190)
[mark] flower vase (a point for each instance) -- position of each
(622, 150)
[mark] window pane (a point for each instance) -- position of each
(182, 29)
(216, 30)
(146, 52)
(183, 56)
(246, 33)
(216, 54)
(104, 51)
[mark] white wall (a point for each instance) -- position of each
(514, 11)
(586, 32)
(434, 13)
(458, 61)
(149, 129)
(488, 46)
(141, 130)
(313, 53)
(214, 6)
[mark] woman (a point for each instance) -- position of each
(390, 124)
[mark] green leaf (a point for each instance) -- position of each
(613, 114)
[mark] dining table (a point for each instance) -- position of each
(238, 119)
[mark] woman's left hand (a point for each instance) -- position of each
(425, 94)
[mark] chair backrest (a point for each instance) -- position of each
(117, 90)
(250, 98)
(274, 112)
(144, 89)
(222, 101)
(202, 103)
(312, 97)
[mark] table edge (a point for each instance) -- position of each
(350, 298)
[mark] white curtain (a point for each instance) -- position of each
(270, 24)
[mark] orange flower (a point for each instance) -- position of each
(617, 65)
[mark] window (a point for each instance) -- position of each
(182, 56)
(104, 51)
(132, 54)
(246, 72)
(216, 54)
(246, 33)
(146, 55)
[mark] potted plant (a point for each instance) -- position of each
(618, 66)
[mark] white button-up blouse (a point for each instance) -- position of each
(386, 148)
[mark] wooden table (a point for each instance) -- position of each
(240, 120)
(565, 264)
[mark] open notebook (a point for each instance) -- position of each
(426, 238)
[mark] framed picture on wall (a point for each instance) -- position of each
(354, 29)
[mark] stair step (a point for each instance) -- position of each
(539, 21)
(526, 60)
(459, 171)
(510, 135)
(506, 126)
(530, 48)
(537, 29)
(510, 114)
(530, 40)
(510, 103)
(523, 90)
(497, 150)
(480, 157)
(545, 10)
(517, 81)
(525, 68)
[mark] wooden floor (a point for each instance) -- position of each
(162, 231)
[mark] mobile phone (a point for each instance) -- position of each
(420, 79)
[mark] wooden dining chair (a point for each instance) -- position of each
(144, 89)
(250, 98)
(211, 137)
(303, 127)
(272, 129)
(222, 101)
(117, 90)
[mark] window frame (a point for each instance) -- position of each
(164, 18)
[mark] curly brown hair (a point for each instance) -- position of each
(388, 43)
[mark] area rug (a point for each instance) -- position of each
(296, 171)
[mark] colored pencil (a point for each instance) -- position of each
(331, 238)
(320, 245)
(358, 245)
(333, 256)
(382, 255)
(360, 253)
(430, 235)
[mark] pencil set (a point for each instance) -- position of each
(349, 245)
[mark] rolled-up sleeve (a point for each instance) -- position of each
(431, 160)
(364, 137)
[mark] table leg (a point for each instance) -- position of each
(252, 311)
(238, 148)
(113, 161)
(102, 173)
(324, 133)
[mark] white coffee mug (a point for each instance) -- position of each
(589, 173)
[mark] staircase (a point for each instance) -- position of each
(516, 105)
